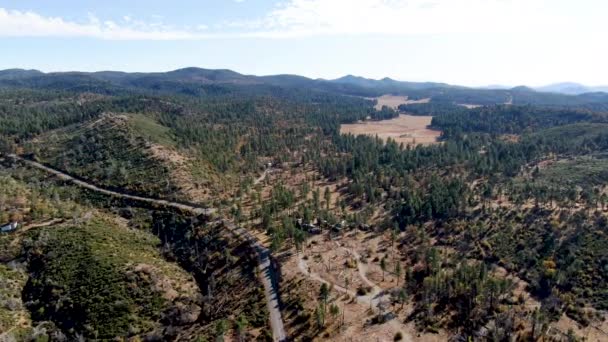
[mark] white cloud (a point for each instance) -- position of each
(29, 24)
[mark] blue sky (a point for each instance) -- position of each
(469, 42)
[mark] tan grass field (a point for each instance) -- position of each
(393, 101)
(406, 129)
(469, 106)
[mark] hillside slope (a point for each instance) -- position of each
(128, 152)
(92, 273)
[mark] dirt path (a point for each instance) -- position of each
(21, 322)
(378, 295)
(19, 233)
(267, 274)
(373, 299)
(261, 178)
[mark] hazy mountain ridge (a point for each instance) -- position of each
(571, 88)
(193, 81)
(226, 76)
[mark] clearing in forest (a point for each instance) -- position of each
(393, 101)
(407, 129)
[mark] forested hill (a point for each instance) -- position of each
(196, 81)
(514, 193)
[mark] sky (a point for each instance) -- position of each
(466, 42)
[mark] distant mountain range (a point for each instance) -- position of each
(198, 82)
(567, 88)
(211, 76)
(571, 88)
(387, 82)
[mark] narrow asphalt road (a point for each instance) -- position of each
(267, 272)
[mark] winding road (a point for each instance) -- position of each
(267, 272)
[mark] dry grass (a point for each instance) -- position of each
(469, 105)
(180, 169)
(393, 101)
(406, 129)
(596, 331)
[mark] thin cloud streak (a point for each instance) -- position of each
(29, 24)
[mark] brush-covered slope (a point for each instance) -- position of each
(84, 265)
(102, 281)
(114, 151)
(74, 271)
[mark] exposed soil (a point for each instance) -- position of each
(347, 264)
(180, 169)
(593, 332)
(393, 101)
(469, 105)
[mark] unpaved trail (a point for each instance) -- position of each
(267, 274)
(373, 299)
(261, 178)
(19, 233)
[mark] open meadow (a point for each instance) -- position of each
(406, 129)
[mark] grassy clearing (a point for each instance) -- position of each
(574, 134)
(151, 130)
(581, 171)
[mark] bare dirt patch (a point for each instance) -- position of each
(469, 105)
(181, 174)
(349, 263)
(406, 129)
(393, 101)
(596, 331)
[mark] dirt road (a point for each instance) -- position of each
(267, 274)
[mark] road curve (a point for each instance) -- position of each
(267, 272)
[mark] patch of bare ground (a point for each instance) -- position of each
(520, 288)
(180, 168)
(350, 265)
(393, 101)
(469, 105)
(406, 129)
(596, 331)
(513, 138)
